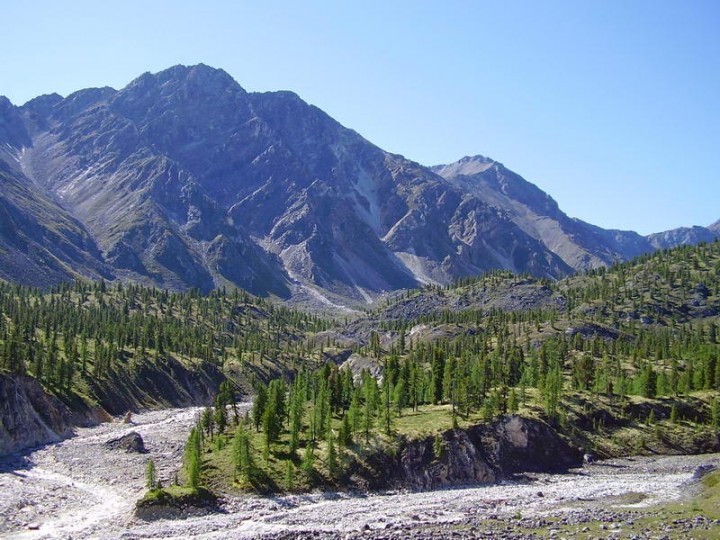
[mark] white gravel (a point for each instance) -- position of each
(80, 489)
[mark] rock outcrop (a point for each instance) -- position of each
(483, 454)
(30, 417)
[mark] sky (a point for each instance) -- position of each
(612, 106)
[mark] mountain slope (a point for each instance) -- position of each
(580, 245)
(40, 243)
(185, 180)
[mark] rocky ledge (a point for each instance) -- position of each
(480, 454)
(176, 502)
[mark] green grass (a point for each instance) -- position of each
(177, 495)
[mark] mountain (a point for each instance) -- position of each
(684, 236)
(182, 179)
(40, 243)
(580, 245)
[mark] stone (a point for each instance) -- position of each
(130, 442)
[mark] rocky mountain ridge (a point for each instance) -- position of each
(182, 179)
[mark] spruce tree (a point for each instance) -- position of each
(150, 474)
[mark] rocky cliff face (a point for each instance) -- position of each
(40, 243)
(484, 454)
(183, 179)
(29, 416)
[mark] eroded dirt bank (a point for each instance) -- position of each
(81, 489)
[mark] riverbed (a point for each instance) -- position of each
(79, 488)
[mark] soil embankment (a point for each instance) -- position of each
(30, 416)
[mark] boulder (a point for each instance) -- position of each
(130, 442)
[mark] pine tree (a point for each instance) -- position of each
(193, 458)
(308, 463)
(370, 391)
(242, 453)
(150, 475)
(513, 402)
(438, 371)
(345, 432)
(332, 458)
(289, 476)
(552, 391)
(259, 404)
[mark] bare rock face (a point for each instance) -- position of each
(29, 417)
(525, 445)
(484, 454)
(21, 425)
(461, 461)
(40, 243)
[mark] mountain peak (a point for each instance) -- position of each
(467, 166)
(44, 101)
(210, 79)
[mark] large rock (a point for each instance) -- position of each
(130, 442)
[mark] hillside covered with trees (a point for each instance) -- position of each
(619, 361)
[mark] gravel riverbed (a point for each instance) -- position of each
(79, 488)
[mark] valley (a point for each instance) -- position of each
(80, 488)
(316, 337)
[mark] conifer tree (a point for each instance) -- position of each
(242, 453)
(150, 474)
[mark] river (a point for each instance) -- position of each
(79, 488)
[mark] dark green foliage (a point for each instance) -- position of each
(243, 454)
(259, 406)
(151, 481)
(192, 458)
(332, 457)
(84, 340)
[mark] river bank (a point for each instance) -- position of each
(79, 488)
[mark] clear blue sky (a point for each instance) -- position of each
(612, 106)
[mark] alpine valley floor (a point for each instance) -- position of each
(79, 488)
